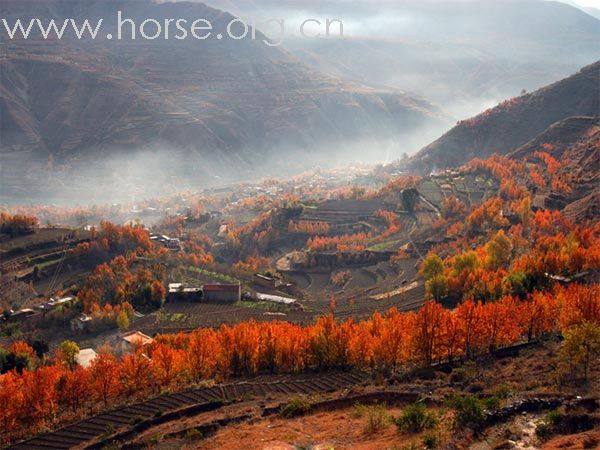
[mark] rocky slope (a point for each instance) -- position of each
(575, 142)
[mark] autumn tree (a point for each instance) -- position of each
(73, 388)
(580, 347)
(11, 399)
(134, 371)
(428, 332)
(104, 376)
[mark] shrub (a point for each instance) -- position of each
(492, 403)
(294, 408)
(377, 418)
(431, 440)
(415, 418)
(458, 375)
(359, 410)
(466, 373)
(476, 387)
(193, 434)
(136, 419)
(503, 392)
(109, 428)
(410, 446)
(549, 424)
(468, 411)
(112, 446)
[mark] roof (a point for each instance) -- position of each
(179, 287)
(60, 301)
(137, 337)
(275, 298)
(221, 288)
(23, 311)
(85, 357)
(264, 277)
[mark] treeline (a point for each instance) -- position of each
(44, 392)
(17, 224)
(308, 227)
(346, 243)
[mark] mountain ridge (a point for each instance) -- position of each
(514, 122)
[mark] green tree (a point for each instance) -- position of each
(432, 266)
(123, 320)
(410, 197)
(437, 287)
(499, 251)
(517, 283)
(68, 351)
(580, 347)
(40, 347)
(465, 261)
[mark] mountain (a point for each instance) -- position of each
(514, 122)
(193, 111)
(464, 55)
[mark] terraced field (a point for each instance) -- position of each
(173, 406)
(190, 316)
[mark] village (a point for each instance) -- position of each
(307, 253)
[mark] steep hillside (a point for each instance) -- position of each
(513, 122)
(575, 144)
(217, 106)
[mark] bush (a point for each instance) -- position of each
(136, 420)
(492, 403)
(468, 411)
(359, 410)
(294, 408)
(431, 440)
(193, 434)
(466, 373)
(503, 392)
(415, 418)
(377, 419)
(549, 424)
(411, 446)
(109, 428)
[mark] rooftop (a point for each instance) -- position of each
(137, 337)
(180, 287)
(85, 357)
(221, 287)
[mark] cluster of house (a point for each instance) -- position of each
(170, 243)
(25, 313)
(208, 292)
(125, 343)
